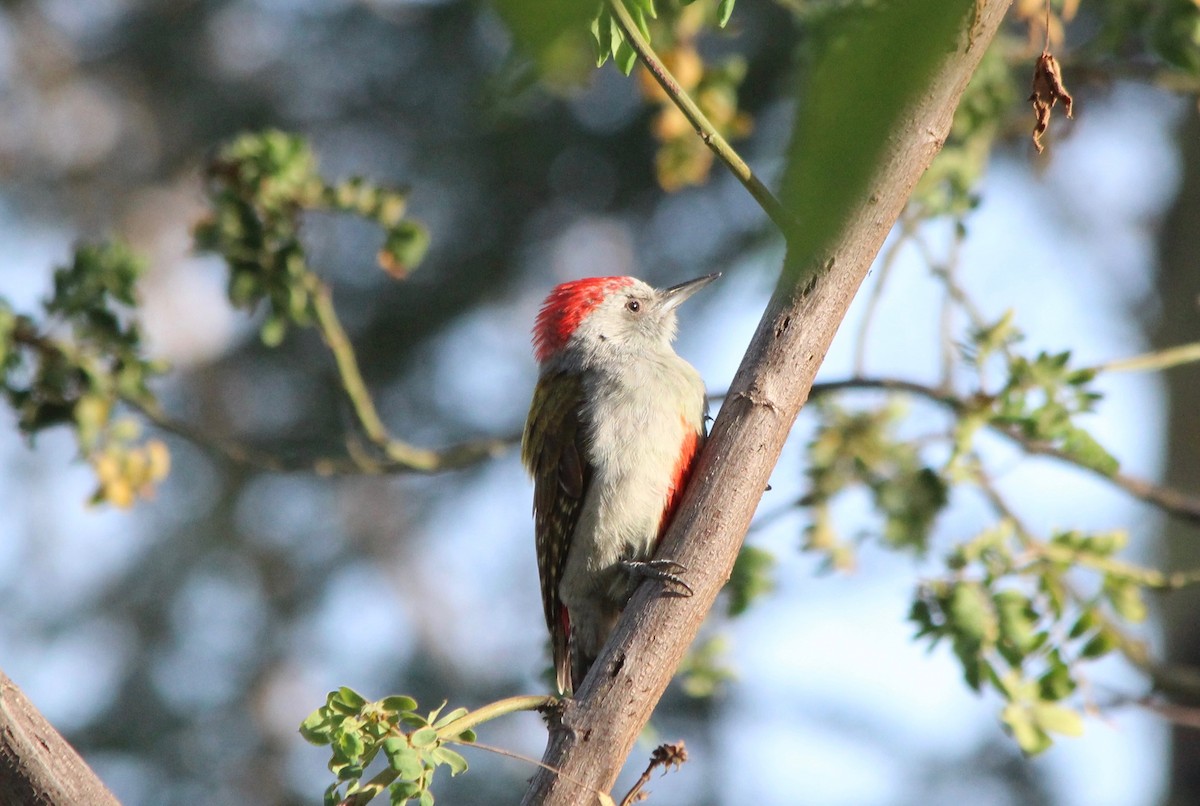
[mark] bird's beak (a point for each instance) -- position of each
(671, 297)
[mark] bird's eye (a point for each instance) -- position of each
(633, 306)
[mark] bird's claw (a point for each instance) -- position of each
(663, 570)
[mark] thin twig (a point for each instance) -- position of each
(357, 461)
(704, 127)
(400, 457)
(1174, 502)
(667, 756)
(1154, 361)
(339, 344)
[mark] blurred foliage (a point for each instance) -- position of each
(1017, 622)
(78, 360)
(705, 669)
(1040, 400)
(680, 20)
(890, 50)
(83, 357)
(683, 158)
(1009, 604)
(862, 448)
(950, 185)
(752, 578)
(261, 185)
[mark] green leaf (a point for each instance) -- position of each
(1082, 446)
(403, 791)
(724, 11)
(1175, 34)
(350, 745)
(426, 798)
(552, 34)
(1056, 683)
(1018, 621)
(273, 330)
(1100, 645)
(1126, 598)
(424, 737)
(398, 703)
(647, 8)
(625, 57)
(867, 67)
(639, 19)
(348, 699)
(457, 713)
(453, 760)
(403, 759)
(1055, 718)
(1088, 620)
(602, 35)
(972, 614)
(1030, 737)
(316, 727)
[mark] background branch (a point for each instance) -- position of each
(1174, 502)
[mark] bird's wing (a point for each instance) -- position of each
(553, 451)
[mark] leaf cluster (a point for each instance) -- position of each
(1040, 401)
(1013, 615)
(76, 361)
(680, 17)
(260, 187)
(1023, 614)
(862, 449)
(358, 731)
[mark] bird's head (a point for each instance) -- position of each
(609, 315)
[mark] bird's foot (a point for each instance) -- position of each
(664, 570)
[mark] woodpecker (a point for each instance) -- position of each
(616, 422)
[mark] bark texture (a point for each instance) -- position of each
(599, 727)
(37, 766)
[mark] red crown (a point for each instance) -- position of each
(565, 307)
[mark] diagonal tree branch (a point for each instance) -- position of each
(37, 766)
(617, 697)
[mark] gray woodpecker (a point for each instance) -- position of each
(615, 425)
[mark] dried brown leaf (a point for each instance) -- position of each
(1048, 90)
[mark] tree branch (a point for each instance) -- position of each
(358, 461)
(399, 457)
(625, 683)
(37, 766)
(1174, 502)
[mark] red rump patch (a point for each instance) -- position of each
(680, 475)
(566, 307)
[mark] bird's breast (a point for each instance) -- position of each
(642, 430)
